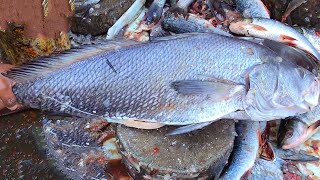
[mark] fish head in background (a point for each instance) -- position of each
(279, 90)
(291, 133)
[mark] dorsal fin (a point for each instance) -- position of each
(45, 65)
(296, 55)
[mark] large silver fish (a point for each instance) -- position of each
(178, 80)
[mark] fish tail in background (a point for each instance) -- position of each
(252, 8)
(155, 11)
(245, 151)
(274, 30)
(292, 6)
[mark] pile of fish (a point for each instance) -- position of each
(190, 64)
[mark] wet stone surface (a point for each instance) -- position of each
(22, 152)
(83, 148)
(199, 154)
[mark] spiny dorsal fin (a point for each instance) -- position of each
(45, 65)
(296, 55)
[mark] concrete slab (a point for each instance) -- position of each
(149, 154)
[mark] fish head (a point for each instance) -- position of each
(279, 90)
(302, 86)
(291, 133)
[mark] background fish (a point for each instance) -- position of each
(179, 24)
(263, 169)
(293, 132)
(176, 80)
(292, 6)
(245, 151)
(252, 8)
(273, 30)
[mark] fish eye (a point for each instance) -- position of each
(300, 71)
(289, 134)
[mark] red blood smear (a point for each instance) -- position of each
(118, 170)
(315, 147)
(285, 37)
(290, 176)
(290, 44)
(156, 150)
(317, 33)
(265, 7)
(259, 28)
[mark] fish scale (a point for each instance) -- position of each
(136, 80)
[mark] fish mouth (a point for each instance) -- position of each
(311, 95)
(291, 145)
(290, 140)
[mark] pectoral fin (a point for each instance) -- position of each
(217, 90)
(189, 128)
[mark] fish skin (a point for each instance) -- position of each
(273, 30)
(312, 35)
(245, 151)
(134, 82)
(252, 8)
